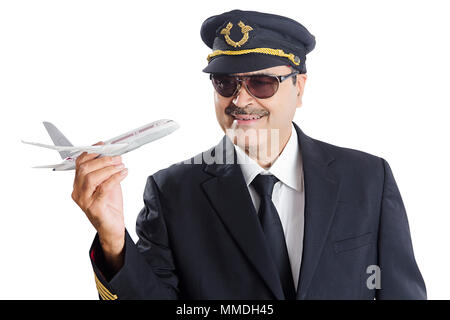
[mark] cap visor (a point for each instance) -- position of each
(243, 63)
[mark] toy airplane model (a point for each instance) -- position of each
(116, 146)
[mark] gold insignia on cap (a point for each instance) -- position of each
(244, 29)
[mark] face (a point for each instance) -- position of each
(254, 123)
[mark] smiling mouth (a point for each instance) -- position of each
(247, 117)
(244, 114)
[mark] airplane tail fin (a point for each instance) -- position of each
(58, 138)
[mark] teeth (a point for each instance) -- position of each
(248, 118)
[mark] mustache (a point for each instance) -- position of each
(232, 109)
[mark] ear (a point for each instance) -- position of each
(300, 85)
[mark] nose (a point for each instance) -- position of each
(242, 97)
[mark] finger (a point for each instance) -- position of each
(78, 180)
(82, 158)
(104, 188)
(95, 164)
(87, 156)
(95, 178)
(82, 193)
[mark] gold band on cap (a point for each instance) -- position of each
(274, 52)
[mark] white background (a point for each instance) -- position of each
(377, 82)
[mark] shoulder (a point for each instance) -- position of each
(343, 158)
(352, 158)
(360, 173)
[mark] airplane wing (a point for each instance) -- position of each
(47, 166)
(101, 149)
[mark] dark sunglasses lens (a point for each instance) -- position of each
(262, 86)
(224, 85)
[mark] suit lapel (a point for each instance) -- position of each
(228, 194)
(321, 194)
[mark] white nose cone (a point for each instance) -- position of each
(163, 128)
(153, 131)
(172, 126)
(160, 128)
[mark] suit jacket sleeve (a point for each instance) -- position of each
(148, 271)
(400, 275)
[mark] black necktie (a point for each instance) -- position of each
(273, 230)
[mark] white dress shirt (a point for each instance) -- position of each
(288, 195)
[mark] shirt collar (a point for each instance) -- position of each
(287, 167)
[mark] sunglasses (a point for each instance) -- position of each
(259, 86)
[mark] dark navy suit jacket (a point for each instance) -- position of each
(199, 236)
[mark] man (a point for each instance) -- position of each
(269, 213)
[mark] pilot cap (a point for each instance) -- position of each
(245, 41)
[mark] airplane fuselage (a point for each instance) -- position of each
(131, 140)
